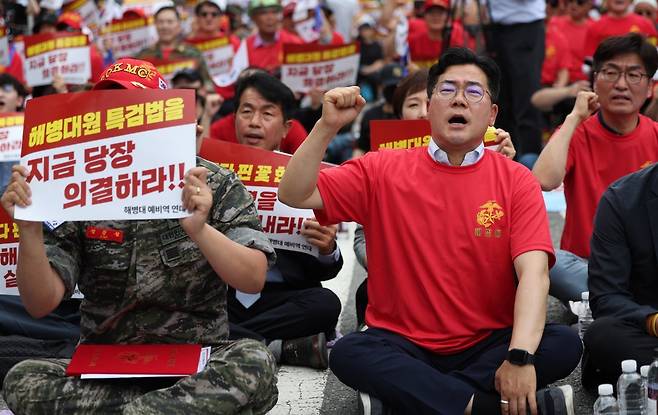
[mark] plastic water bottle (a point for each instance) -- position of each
(606, 404)
(629, 390)
(652, 385)
(585, 318)
(644, 375)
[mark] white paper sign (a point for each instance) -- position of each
(11, 137)
(136, 35)
(322, 67)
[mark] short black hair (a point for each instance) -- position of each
(623, 45)
(165, 8)
(464, 56)
(269, 88)
(410, 85)
(6, 79)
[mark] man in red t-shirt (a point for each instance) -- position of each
(574, 27)
(265, 47)
(458, 256)
(426, 46)
(589, 152)
(619, 20)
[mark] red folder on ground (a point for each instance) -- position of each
(137, 360)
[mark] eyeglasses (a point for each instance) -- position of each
(211, 14)
(633, 77)
(473, 93)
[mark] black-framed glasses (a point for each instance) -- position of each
(473, 93)
(211, 14)
(633, 77)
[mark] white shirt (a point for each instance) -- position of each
(441, 156)
(509, 12)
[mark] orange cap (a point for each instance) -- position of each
(70, 19)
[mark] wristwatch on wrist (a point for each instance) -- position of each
(520, 357)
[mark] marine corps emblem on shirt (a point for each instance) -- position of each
(490, 213)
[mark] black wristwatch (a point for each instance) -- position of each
(520, 357)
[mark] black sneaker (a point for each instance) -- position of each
(555, 401)
(369, 405)
(308, 351)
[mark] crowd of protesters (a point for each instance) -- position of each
(455, 298)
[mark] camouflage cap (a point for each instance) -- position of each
(128, 73)
(257, 5)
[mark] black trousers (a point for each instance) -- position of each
(413, 380)
(284, 314)
(610, 340)
(62, 323)
(519, 52)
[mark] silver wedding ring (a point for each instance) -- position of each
(504, 402)
(198, 190)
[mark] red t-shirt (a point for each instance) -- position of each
(269, 56)
(597, 157)
(556, 56)
(440, 259)
(425, 52)
(224, 129)
(608, 26)
(417, 25)
(575, 34)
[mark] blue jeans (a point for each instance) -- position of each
(568, 276)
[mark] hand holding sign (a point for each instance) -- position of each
(341, 106)
(197, 199)
(505, 146)
(18, 193)
(324, 237)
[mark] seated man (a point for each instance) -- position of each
(623, 283)
(184, 300)
(457, 278)
(293, 306)
(591, 151)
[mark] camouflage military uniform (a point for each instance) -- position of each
(154, 287)
(182, 51)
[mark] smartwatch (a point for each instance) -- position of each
(520, 357)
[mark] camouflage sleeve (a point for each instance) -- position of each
(63, 252)
(234, 213)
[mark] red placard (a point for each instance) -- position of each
(135, 359)
(399, 134)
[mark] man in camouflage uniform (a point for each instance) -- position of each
(160, 283)
(170, 48)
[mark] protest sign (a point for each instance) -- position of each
(52, 5)
(261, 171)
(149, 6)
(87, 10)
(217, 52)
(11, 136)
(239, 63)
(108, 155)
(9, 237)
(126, 37)
(4, 47)
(61, 53)
(169, 67)
(319, 66)
(394, 134)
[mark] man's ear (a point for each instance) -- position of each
(20, 101)
(287, 125)
(493, 114)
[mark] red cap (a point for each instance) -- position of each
(134, 12)
(289, 10)
(128, 73)
(70, 19)
(436, 3)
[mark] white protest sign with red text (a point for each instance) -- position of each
(108, 155)
(261, 171)
(11, 136)
(88, 11)
(218, 53)
(4, 47)
(324, 67)
(51, 53)
(126, 37)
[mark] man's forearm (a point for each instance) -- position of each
(240, 267)
(550, 168)
(530, 311)
(40, 287)
(299, 182)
